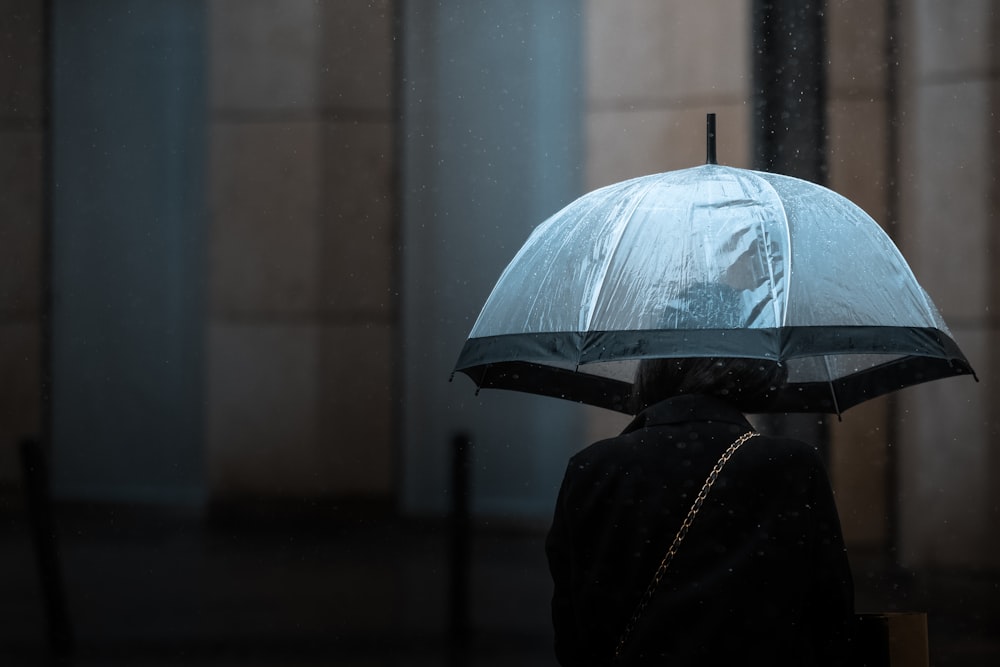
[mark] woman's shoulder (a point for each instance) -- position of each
(790, 448)
(598, 452)
(781, 460)
(607, 456)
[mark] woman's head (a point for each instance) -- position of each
(747, 383)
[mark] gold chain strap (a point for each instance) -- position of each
(681, 533)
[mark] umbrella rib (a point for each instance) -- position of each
(783, 319)
(620, 232)
(829, 380)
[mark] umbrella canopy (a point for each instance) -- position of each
(710, 261)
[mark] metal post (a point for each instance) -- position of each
(35, 473)
(460, 545)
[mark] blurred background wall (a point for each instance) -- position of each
(242, 240)
(303, 289)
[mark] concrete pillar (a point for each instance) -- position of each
(302, 305)
(948, 231)
(491, 144)
(127, 236)
(859, 142)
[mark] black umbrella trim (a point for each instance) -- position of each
(575, 348)
(925, 355)
(556, 382)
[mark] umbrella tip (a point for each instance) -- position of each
(710, 140)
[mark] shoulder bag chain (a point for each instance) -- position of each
(681, 533)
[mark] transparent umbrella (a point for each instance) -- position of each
(710, 261)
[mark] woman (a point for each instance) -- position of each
(762, 576)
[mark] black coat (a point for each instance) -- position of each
(762, 577)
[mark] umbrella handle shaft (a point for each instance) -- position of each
(710, 140)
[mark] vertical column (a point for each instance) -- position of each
(948, 231)
(264, 291)
(303, 298)
(22, 147)
(790, 88)
(360, 233)
(127, 235)
(859, 107)
(789, 121)
(491, 146)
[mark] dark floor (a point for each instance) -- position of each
(144, 589)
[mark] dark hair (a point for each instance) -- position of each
(746, 383)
